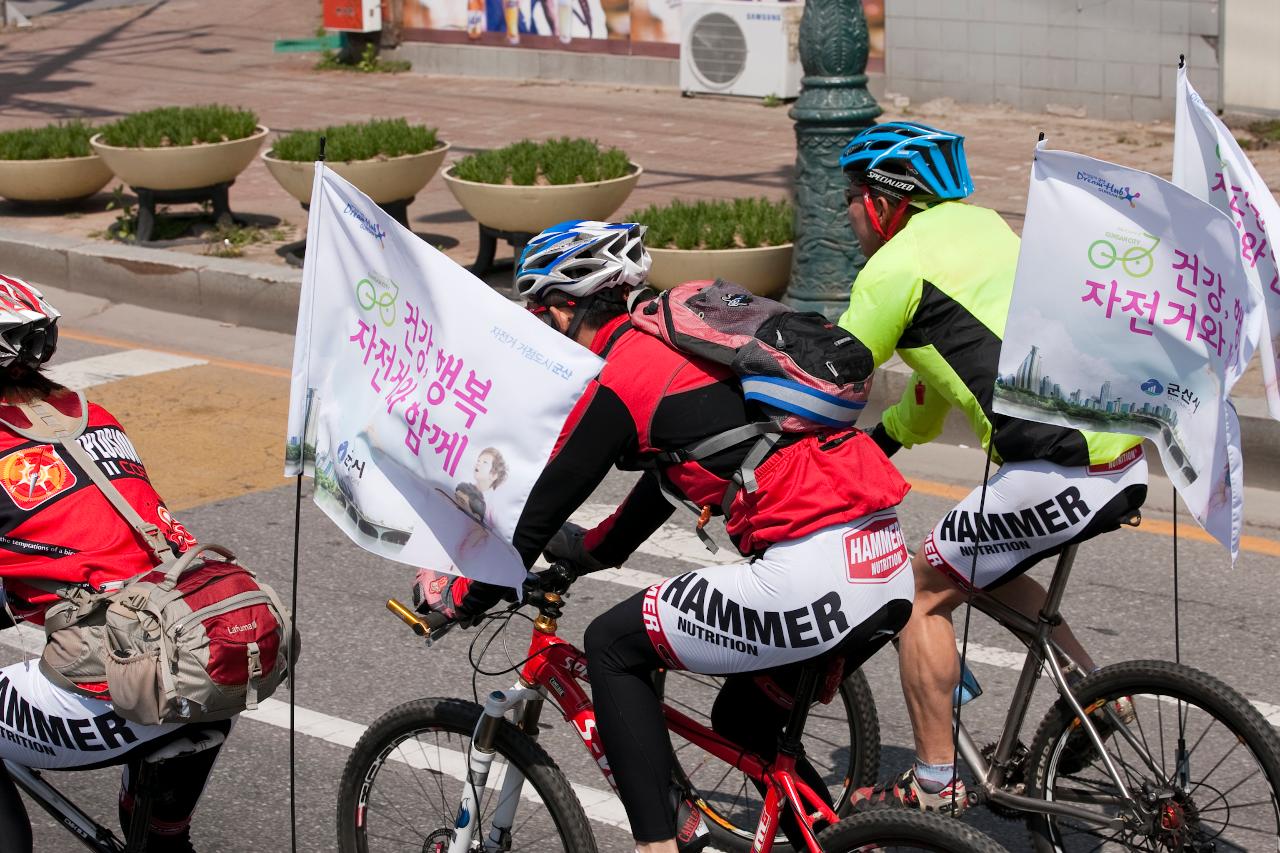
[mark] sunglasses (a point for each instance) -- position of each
(543, 312)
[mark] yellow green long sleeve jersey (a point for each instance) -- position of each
(938, 293)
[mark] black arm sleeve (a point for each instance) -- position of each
(603, 433)
(618, 536)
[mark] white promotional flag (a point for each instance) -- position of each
(1129, 304)
(423, 403)
(1209, 164)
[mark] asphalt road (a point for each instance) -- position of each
(212, 435)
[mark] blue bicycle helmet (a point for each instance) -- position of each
(909, 160)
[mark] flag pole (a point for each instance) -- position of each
(293, 604)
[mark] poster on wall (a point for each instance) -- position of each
(547, 23)
(608, 26)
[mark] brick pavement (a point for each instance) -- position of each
(100, 64)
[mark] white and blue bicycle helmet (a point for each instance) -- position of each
(909, 160)
(582, 257)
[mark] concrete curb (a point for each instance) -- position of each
(246, 293)
(263, 296)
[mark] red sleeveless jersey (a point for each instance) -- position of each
(56, 525)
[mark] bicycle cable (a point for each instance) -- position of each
(968, 612)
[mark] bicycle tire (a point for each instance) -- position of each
(1152, 686)
(455, 717)
(889, 829)
(735, 831)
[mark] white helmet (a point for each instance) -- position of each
(28, 324)
(582, 257)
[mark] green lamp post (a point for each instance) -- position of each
(834, 105)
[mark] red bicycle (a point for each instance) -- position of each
(451, 776)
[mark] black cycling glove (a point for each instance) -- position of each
(568, 545)
(887, 444)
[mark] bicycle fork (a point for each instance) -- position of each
(480, 760)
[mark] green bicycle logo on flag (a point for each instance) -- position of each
(1134, 256)
(380, 292)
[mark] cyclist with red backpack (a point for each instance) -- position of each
(58, 530)
(824, 569)
(936, 287)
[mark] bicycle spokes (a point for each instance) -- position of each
(1195, 783)
(414, 801)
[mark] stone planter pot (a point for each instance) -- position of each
(505, 207)
(764, 271)
(180, 167)
(61, 179)
(383, 181)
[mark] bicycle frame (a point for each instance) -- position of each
(92, 834)
(1043, 654)
(556, 670)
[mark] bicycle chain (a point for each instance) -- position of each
(1015, 780)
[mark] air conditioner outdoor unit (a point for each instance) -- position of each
(739, 47)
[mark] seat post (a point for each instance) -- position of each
(789, 741)
(1058, 586)
(140, 818)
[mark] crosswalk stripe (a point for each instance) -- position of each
(99, 369)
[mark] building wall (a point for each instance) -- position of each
(1251, 72)
(1100, 58)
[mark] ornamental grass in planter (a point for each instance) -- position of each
(180, 148)
(387, 159)
(528, 185)
(746, 241)
(50, 163)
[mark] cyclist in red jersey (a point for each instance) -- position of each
(815, 530)
(57, 528)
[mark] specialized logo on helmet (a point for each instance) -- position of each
(882, 178)
(35, 475)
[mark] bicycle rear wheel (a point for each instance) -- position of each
(402, 786)
(841, 740)
(1201, 764)
(897, 829)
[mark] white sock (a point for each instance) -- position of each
(934, 777)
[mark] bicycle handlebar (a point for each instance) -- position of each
(423, 626)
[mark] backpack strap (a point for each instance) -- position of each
(721, 441)
(745, 476)
(48, 424)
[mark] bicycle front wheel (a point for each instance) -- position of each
(402, 786)
(898, 829)
(841, 740)
(1200, 764)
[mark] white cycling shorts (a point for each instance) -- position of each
(797, 601)
(1032, 509)
(47, 727)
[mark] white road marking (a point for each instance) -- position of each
(601, 806)
(87, 372)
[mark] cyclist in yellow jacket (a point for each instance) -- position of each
(936, 288)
